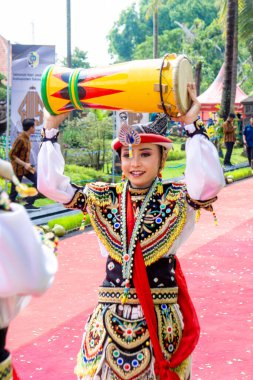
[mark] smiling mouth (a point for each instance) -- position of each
(137, 173)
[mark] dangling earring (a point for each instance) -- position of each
(160, 184)
(119, 186)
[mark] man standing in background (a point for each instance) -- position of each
(20, 160)
(229, 137)
(248, 141)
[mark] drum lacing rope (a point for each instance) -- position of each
(160, 86)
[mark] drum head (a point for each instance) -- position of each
(182, 74)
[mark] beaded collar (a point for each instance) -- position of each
(128, 254)
(138, 191)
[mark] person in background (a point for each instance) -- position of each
(27, 262)
(20, 160)
(229, 130)
(248, 141)
(240, 127)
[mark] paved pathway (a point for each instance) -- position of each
(218, 262)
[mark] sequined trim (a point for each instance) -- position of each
(159, 295)
(106, 222)
(128, 334)
(127, 365)
(129, 249)
(98, 193)
(162, 223)
(157, 244)
(169, 329)
(137, 192)
(207, 204)
(79, 201)
(123, 344)
(95, 334)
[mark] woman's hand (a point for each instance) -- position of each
(191, 88)
(193, 112)
(53, 121)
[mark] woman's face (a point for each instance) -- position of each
(143, 167)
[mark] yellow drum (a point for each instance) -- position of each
(155, 85)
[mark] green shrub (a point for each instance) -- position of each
(176, 154)
(239, 173)
(81, 175)
(71, 222)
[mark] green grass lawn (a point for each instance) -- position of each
(174, 168)
(43, 202)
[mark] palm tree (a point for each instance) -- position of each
(153, 9)
(229, 57)
(235, 60)
(243, 29)
(245, 23)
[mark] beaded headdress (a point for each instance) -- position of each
(153, 132)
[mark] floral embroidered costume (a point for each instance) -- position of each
(144, 326)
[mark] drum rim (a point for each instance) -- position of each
(175, 80)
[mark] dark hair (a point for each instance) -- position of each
(27, 124)
(232, 115)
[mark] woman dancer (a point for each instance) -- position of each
(145, 325)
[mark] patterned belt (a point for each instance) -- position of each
(160, 295)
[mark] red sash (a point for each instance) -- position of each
(191, 330)
(14, 374)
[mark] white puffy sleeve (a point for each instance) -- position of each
(203, 174)
(27, 267)
(51, 180)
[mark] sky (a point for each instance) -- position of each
(44, 23)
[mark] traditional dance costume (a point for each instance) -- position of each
(144, 326)
(27, 267)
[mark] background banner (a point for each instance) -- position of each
(28, 64)
(131, 118)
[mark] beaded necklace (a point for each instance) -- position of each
(128, 254)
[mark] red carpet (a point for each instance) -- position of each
(218, 262)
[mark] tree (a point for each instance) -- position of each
(3, 90)
(243, 30)
(175, 17)
(223, 15)
(78, 59)
(245, 24)
(153, 9)
(192, 28)
(229, 58)
(126, 34)
(91, 136)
